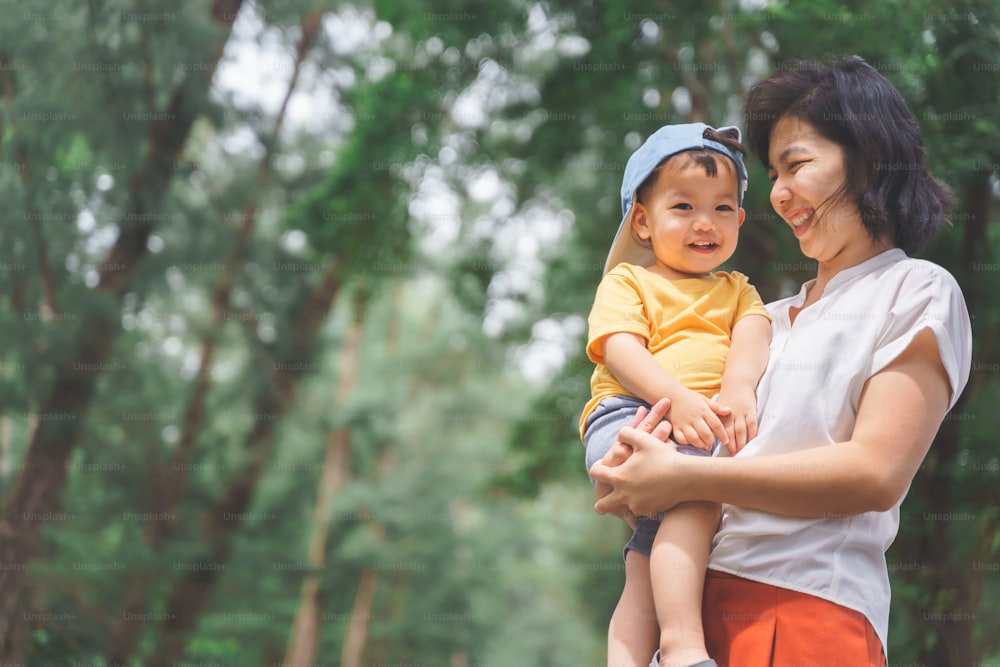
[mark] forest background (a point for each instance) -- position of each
(293, 300)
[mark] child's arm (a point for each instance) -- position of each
(745, 363)
(695, 419)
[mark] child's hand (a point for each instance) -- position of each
(696, 420)
(741, 423)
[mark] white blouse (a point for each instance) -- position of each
(808, 396)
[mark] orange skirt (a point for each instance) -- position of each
(750, 624)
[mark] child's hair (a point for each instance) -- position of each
(853, 105)
(704, 157)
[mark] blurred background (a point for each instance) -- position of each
(293, 309)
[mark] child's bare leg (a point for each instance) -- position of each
(633, 631)
(677, 572)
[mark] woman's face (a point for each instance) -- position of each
(806, 172)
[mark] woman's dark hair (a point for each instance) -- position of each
(853, 105)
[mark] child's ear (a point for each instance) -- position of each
(743, 216)
(640, 221)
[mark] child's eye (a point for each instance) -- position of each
(723, 207)
(682, 206)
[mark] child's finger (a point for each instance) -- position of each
(734, 442)
(718, 429)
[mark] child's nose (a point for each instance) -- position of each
(704, 222)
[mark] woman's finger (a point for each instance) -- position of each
(610, 501)
(617, 454)
(638, 482)
(607, 505)
(657, 413)
(639, 416)
(662, 430)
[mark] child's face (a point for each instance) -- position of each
(692, 219)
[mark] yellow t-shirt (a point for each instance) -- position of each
(687, 325)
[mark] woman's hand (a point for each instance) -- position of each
(629, 479)
(648, 421)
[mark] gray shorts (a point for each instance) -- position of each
(601, 432)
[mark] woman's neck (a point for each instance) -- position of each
(827, 270)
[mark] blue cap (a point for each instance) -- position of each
(666, 141)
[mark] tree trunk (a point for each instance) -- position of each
(357, 626)
(191, 591)
(6, 462)
(39, 485)
(949, 611)
(956, 595)
(19, 633)
(304, 638)
(168, 484)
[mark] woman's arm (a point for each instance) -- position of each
(900, 411)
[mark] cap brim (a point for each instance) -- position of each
(625, 248)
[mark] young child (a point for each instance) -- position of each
(666, 324)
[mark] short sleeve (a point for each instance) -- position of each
(618, 308)
(928, 297)
(749, 302)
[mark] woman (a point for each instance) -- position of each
(866, 360)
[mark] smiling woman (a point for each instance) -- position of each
(859, 115)
(807, 173)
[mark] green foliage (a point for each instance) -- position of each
(456, 177)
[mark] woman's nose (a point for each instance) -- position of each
(780, 194)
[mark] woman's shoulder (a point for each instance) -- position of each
(914, 274)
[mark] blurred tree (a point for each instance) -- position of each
(157, 128)
(199, 197)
